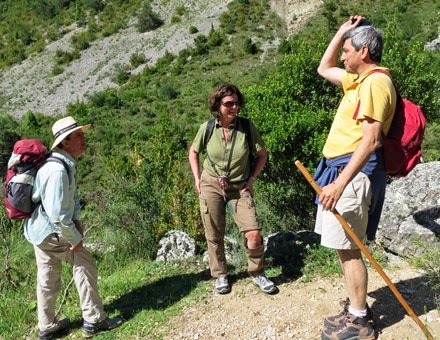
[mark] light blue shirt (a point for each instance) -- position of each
(60, 202)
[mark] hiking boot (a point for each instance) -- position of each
(352, 328)
(59, 327)
(90, 329)
(338, 320)
(222, 285)
(266, 285)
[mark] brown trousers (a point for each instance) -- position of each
(213, 201)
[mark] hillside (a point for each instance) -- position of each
(31, 84)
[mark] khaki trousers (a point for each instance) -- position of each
(213, 201)
(49, 256)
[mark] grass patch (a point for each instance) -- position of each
(429, 261)
(319, 261)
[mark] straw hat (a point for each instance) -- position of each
(65, 126)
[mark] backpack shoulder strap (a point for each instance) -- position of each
(55, 159)
(208, 132)
(245, 123)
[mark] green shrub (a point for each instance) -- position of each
(227, 23)
(201, 45)
(15, 53)
(95, 5)
(137, 59)
(8, 136)
(81, 41)
(147, 20)
(112, 27)
(158, 193)
(215, 38)
(163, 62)
(168, 92)
(57, 69)
(249, 47)
(65, 58)
(193, 29)
(175, 19)
(181, 10)
(284, 47)
(121, 74)
(431, 142)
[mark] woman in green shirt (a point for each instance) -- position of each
(231, 142)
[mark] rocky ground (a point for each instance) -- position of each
(298, 310)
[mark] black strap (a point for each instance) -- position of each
(58, 160)
(245, 124)
(208, 132)
(228, 166)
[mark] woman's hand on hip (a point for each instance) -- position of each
(249, 185)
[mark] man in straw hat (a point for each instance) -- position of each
(56, 233)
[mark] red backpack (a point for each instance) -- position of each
(402, 145)
(27, 157)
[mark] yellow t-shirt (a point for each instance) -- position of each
(376, 97)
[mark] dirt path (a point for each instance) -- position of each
(298, 310)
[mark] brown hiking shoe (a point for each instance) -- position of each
(352, 328)
(337, 320)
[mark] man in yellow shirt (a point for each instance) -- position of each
(352, 174)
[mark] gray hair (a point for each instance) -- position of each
(366, 36)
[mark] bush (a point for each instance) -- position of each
(227, 23)
(249, 47)
(121, 74)
(215, 38)
(147, 20)
(65, 57)
(8, 137)
(201, 45)
(81, 41)
(168, 92)
(137, 59)
(181, 10)
(175, 19)
(193, 29)
(95, 5)
(431, 143)
(284, 47)
(163, 62)
(157, 193)
(57, 69)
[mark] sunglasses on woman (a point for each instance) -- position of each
(230, 104)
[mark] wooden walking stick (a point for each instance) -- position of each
(364, 249)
